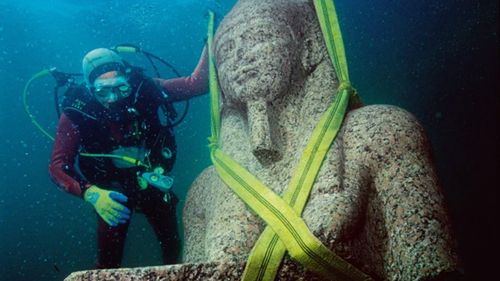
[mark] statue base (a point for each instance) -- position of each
(190, 271)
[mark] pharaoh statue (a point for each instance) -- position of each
(376, 201)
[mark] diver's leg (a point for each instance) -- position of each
(162, 217)
(110, 244)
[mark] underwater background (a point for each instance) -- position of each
(436, 59)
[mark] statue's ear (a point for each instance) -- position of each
(312, 49)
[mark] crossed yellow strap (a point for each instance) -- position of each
(286, 231)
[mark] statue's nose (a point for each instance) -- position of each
(260, 132)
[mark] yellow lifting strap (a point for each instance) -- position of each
(268, 252)
(287, 230)
(266, 256)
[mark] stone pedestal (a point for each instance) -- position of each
(227, 271)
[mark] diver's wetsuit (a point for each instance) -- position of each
(86, 126)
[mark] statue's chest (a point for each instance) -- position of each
(330, 212)
(334, 203)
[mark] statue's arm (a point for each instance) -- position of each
(410, 198)
(194, 221)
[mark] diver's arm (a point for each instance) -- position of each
(186, 87)
(61, 167)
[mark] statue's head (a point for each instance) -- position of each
(259, 47)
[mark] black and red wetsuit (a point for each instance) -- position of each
(86, 126)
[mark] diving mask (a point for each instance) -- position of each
(110, 88)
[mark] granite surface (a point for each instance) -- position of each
(376, 201)
(189, 272)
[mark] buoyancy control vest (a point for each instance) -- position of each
(140, 127)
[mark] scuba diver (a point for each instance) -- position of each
(114, 144)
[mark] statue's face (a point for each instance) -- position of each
(255, 50)
(253, 57)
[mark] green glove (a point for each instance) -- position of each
(106, 204)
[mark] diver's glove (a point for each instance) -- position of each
(106, 204)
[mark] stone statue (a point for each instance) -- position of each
(376, 201)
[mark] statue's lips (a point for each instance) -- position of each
(258, 69)
(242, 73)
(246, 75)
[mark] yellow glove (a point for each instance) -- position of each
(106, 203)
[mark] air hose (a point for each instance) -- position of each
(40, 74)
(124, 158)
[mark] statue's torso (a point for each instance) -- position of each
(333, 211)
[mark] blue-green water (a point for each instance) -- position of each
(437, 59)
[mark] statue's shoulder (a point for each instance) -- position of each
(205, 183)
(377, 127)
(200, 189)
(379, 115)
(205, 178)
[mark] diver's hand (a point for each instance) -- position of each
(106, 204)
